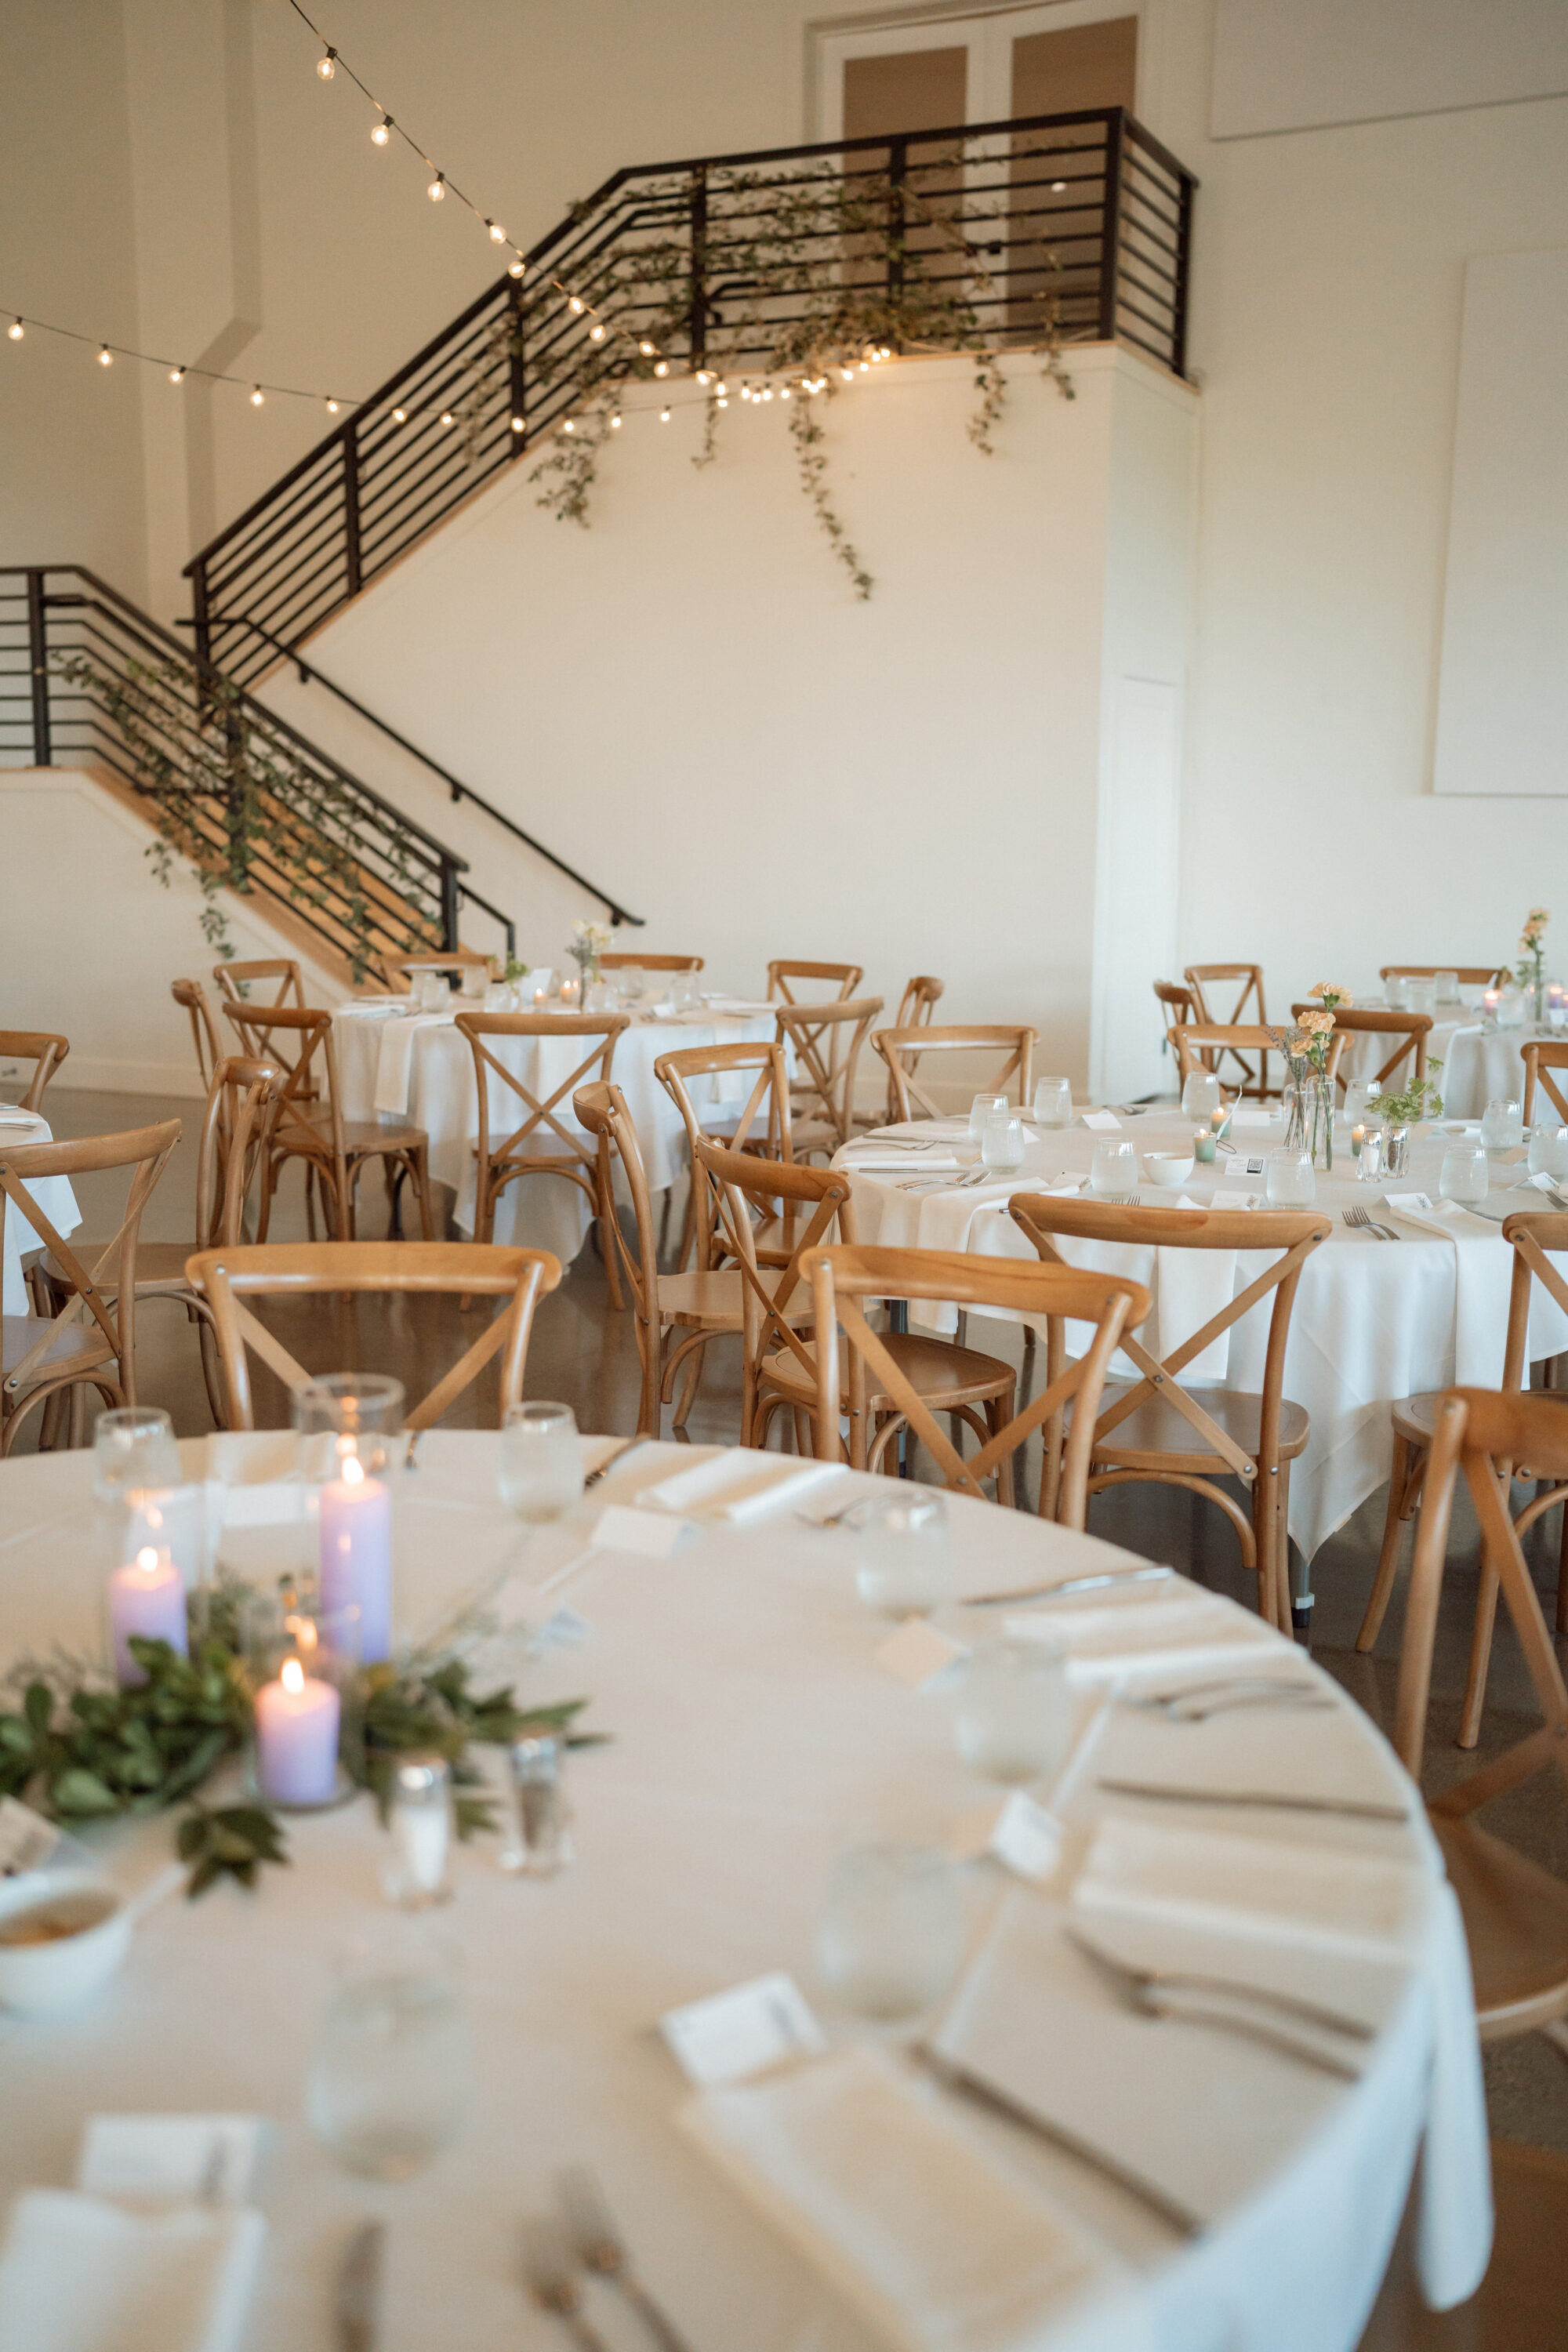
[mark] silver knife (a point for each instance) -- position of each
(1097, 1583)
(1353, 1809)
(356, 2304)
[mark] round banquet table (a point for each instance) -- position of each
(752, 1734)
(1374, 1322)
(53, 1195)
(419, 1068)
(1479, 1063)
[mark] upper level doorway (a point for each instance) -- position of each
(933, 72)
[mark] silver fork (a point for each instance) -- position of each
(1359, 1218)
(553, 2280)
(601, 2247)
(1148, 1986)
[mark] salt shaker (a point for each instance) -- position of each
(421, 1825)
(543, 1842)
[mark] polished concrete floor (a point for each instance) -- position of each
(585, 1353)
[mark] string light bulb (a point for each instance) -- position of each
(661, 367)
(570, 425)
(647, 348)
(721, 401)
(15, 330)
(331, 408)
(447, 417)
(400, 416)
(721, 388)
(576, 305)
(498, 233)
(326, 66)
(518, 270)
(847, 374)
(520, 423)
(703, 377)
(615, 422)
(381, 131)
(783, 391)
(257, 396)
(105, 357)
(437, 188)
(1059, 187)
(596, 331)
(664, 416)
(176, 375)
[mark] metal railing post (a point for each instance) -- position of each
(697, 325)
(517, 377)
(38, 666)
(1183, 261)
(898, 172)
(449, 902)
(1111, 227)
(352, 575)
(200, 610)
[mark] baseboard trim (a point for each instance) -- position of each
(98, 1075)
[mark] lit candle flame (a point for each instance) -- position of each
(293, 1676)
(147, 1560)
(354, 1470)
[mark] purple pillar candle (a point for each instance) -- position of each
(148, 1598)
(357, 1556)
(297, 1738)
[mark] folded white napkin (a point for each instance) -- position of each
(81, 2275)
(938, 2244)
(737, 1485)
(19, 1119)
(1444, 1218)
(1184, 1627)
(394, 1059)
(1101, 1121)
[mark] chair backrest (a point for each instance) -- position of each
(1203, 1045)
(759, 1124)
(651, 962)
(192, 996)
(43, 1050)
(841, 1278)
(1482, 1432)
(1468, 975)
(1241, 982)
(144, 1151)
(902, 1048)
(826, 1040)
(919, 1001)
(1541, 1058)
(1410, 1029)
(1535, 1236)
(539, 1115)
(227, 1277)
(235, 1126)
(1294, 1233)
(283, 969)
(808, 1202)
(1177, 1001)
(297, 1040)
(785, 978)
(602, 1109)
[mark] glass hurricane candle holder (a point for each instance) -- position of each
(133, 1447)
(1463, 1175)
(351, 1427)
(1200, 1095)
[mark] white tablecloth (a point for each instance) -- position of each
(537, 1212)
(1372, 1321)
(1479, 1063)
(752, 1737)
(58, 1201)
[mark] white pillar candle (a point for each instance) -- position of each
(148, 1598)
(297, 1738)
(356, 1556)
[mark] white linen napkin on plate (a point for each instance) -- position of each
(939, 2243)
(78, 2274)
(1104, 1640)
(394, 1059)
(736, 1486)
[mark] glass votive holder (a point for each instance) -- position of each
(133, 1447)
(500, 997)
(472, 981)
(1503, 1124)
(1113, 1169)
(903, 1563)
(1204, 1145)
(541, 1461)
(1200, 1095)
(982, 1107)
(388, 2080)
(1053, 1102)
(173, 1520)
(345, 1414)
(1463, 1175)
(541, 1843)
(1012, 1718)
(890, 1939)
(1001, 1143)
(419, 1823)
(1358, 1094)
(1289, 1180)
(1548, 1151)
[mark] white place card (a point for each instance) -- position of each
(1102, 1121)
(741, 2032)
(1228, 1199)
(1421, 1202)
(564, 1629)
(1248, 1120)
(176, 2158)
(620, 1527)
(1018, 1831)
(26, 1840)
(917, 1654)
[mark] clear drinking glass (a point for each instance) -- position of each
(133, 1447)
(1463, 1175)
(541, 1461)
(1446, 986)
(1549, 1151)
(433, 992)
(1013, 1716)
(982, 1107)
(1200, 1095)
(633, 980)
(388, 2079)
(472, 980)
(1503, 1124)
(1420, 995)
(1113, 1168)
(1395, 990)
(1001, 1143)
(1358, 1094)
(1053, 1102)
(902, 1564)
(891, 1936)
(1289, 1181)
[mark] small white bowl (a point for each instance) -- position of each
(41, 1979)
(1169, 1169)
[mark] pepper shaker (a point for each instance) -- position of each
(542, 1845)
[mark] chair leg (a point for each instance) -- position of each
(604, 1189)
(78, 1393)
(1282, 1549)
(688, 1227)
(1481, 1658)
(421, 1160)
(998, 1413)
(689, 1387)
(211, 1374)
(1406, 1475)
(264, 1212)
(1563, 1574)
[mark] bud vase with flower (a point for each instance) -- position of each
(1309, 1055)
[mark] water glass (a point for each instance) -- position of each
(1200, 1095)
(1503, 1124)
(1053, 1102)
(1013, 1716)
(388, 2079)
(982, 1107)
(432, 992)
(1113, 1168)
(541, 1461)
(685, 994)
(1395, 992)
(1001, 1142)
(133, 1447)
(1447, 987)
(1421, 995)
(890, 1938)
(1290, 1181)
(1463, 1175)
(1510, 1009)
(473, 978)
(1358, 1094)
(1548, 1151)
(903, 1566)
(633, 980)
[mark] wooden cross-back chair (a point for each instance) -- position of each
(1468, 975)
(1157, 1430)
(233, 1138)
(1515, 1913)
(1178, 1005)
(826, 1040)
(689, 1309)
(887, 1381)
(586, 1165)
(902, 1048)
(226, 1279)
(91, 1342)
(916, 1007)
(785, 979)
(1407, 1031)
(193, 997)
(1541, 1058)
(761, 1124)
(1242, 983)
(651, 962)
(308, 1125)
(1204, 1046)
(234, 979)
(43, 1051)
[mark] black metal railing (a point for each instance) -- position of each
(86, 676)
(1070, 228)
